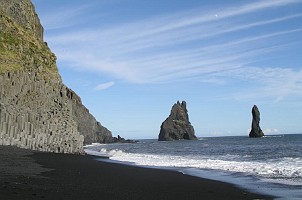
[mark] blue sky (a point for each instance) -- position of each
(131, 60)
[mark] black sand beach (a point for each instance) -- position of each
(26, 174)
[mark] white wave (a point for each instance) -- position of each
(93, 145)
(95, 150)
(284, 168)
(273, 136)
(96, 153)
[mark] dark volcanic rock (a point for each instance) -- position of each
(177, 126)
(256, 130)
(119, 139)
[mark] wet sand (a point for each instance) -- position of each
(26, 174)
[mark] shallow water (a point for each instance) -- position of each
(271, 165)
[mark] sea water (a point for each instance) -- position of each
(270, 165)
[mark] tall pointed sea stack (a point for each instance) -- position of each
(37, 111)
(177, 126)
(256, 130)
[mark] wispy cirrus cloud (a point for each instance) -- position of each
(104, 86)
(63, 17)
(212, 46)
(267, 82)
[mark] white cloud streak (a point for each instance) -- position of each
(104, 86)
(267, 82)
(63, 17)
(189, 45)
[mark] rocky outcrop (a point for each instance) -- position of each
(119, 139)
(37, 111)
(177, 126)
(256, 130)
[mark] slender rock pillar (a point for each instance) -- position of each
(256, 130)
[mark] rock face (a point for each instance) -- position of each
(23, 13)
(177, 126)
(37, 111)
(256, 130)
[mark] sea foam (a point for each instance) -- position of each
(283, 168)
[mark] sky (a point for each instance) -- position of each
(131, 60)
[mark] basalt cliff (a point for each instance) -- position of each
(37, 111)
(177, 126)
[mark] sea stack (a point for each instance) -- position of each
(256, 130)
(177, 126)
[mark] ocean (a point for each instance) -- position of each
(270, 165)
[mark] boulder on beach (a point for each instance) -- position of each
(256, 130)
(177, 126)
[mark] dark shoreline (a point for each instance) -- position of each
(26, 174)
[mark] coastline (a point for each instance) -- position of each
(27, 174)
